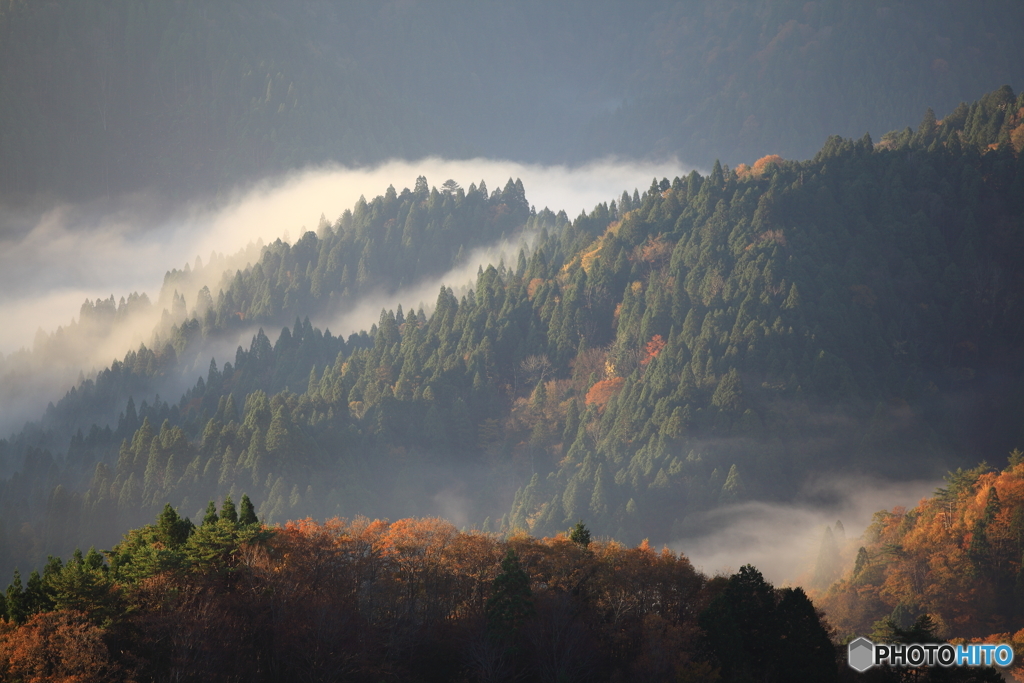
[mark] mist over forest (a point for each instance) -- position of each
(547, 286)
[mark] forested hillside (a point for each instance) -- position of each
(377, 248)
(109, 96)
(951, 565)
(955, 556)
(714, 339)
(413, 600)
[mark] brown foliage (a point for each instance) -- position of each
(372, 600)
(1017, 138)
(57, 646)
(603, 391)
(931, 558)
(655, 250)
(410, 581)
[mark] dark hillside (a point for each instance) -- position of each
(108, 96)
(716, 339)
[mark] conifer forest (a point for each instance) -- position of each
(454, 432)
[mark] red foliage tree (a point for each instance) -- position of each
(652, 349)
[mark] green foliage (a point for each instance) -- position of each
(210, 517)
(647, 363)
(15, 600)
(511, 601)
(228, 512)
(84, 585)
(171, 529)
(756, 632)
(247, 516)
(580, 535)
(175, 545)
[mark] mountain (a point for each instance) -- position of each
(716, 339)
(108, 96)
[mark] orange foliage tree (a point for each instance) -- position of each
(57, 646)
(762, 164)
(956, 557)
(603, 391)
(372, 600)
(408, 583)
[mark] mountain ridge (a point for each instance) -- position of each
(717, 338)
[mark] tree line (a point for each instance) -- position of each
(414, 598)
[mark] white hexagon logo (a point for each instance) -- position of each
(861, 654)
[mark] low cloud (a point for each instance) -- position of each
(460, 279)
(54, 257)
(783, 540)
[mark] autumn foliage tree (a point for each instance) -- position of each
(369, 599)
(762, 164)
(652, 349)
(603, 391)
(956, 558)
(57, 646)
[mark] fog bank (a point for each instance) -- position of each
(55, 257)
(783, 540)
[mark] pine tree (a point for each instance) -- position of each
(732, 489)
(228, 511)
(36, 599)
(580, 535)
(572, 423)
(806, 652)
(16, 608)
(862, 561)
(511, 602)
(171, 529)
(211, 514)
(828, 566)
(248, 512)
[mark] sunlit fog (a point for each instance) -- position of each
(526, 341)
(54, 259)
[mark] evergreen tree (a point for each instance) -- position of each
(732, 489)
(805, 651)
(171, 529)
(211, 514)
(228, 511)
(580, 535)
(36, 599)
(248, 512)
(17, 610)
(511, 601)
